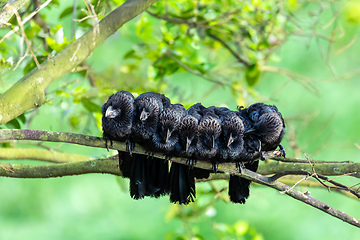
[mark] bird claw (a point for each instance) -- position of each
(215, 167)
(107, 140)
(130, 146)
(191, 162)
(282, 151)
(240, 166)
(149, 154)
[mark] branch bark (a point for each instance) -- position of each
(111, 166)
(41, 155)
(28, 92)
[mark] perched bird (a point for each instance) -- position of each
(209, 131)
(265, 128)
(187, 141)
(117, 117)
(149, 176)
(182, 182)
(147, 108)
(167, 135)
(231, 142)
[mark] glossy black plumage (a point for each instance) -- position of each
(231, 142)
(264, 129)
(117, 117)
(167, 135)
(239, 187)
(147, 108)
(214, 134)
(148, 176)
(209, 131)
(182, 184)
(153, 172)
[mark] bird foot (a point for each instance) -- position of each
(149, 154)
(282, 151)
(240, 166)
(107, 140)
(215, 167)
(191, 162)
(130, 146)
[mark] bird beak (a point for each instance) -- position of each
(144, 115)
(111, 112)
(213, 141)
(249, 131)
(188, 142)
(230, 141)
(168, 134)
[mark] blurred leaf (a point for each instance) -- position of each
(32, 30)
(241, 227)
(252, 75)
(74, 121)
(15, 123)
(89, 105)
(67, 11)
(62, 93)
(131, 54)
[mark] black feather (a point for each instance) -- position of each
(117, 117)
(182, 184)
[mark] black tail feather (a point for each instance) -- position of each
(158, 177)
(125, 163)
(239, 187)
(182, 184)
(201, 173)
(148, 176)
(138, 184)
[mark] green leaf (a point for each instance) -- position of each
(74, 121)
(67, 11)
(90, 106)
(252, 74)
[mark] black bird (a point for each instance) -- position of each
(265, 128)
(182, 182)
(148, 107)
(209, 131)
(197, 111)
(149, 176)
(167, 135)
(231, 142)
(117, 117)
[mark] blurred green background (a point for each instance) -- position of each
(307, 64)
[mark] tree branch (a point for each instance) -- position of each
(41, 155)
(28, 92)
(111, 166)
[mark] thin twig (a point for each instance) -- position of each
(25, 20)
(18, 18)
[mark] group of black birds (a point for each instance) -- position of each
(214, 134)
